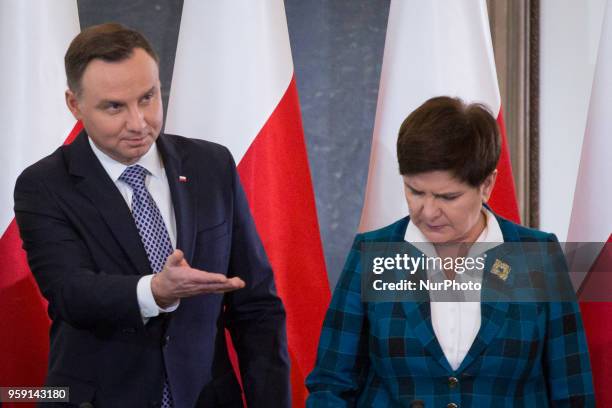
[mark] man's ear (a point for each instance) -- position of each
(486, 187)
(72, 102)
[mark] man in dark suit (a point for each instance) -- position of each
(145, 248)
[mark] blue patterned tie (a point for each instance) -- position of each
(152, 230)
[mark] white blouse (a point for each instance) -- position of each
(455, 324)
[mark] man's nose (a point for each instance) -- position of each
(136, 120)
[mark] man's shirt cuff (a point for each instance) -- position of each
(146, 301)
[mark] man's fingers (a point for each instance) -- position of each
(229, 285)
(187, 281)
(215, 288)
(176, 258)
(236, 282)
(208, 286)
(202, 277)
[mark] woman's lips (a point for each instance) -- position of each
(435, 227)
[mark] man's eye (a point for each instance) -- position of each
(147, 97)
(113, 107)
(416, 193)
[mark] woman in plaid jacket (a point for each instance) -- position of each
(450, 354)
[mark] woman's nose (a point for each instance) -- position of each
(430, 209)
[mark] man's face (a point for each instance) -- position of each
(120, 105)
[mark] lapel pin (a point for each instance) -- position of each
(500, 269)
(182, 179)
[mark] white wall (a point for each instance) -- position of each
(569, 37)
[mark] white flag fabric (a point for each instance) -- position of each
(34, 36)
(591, 220)
(432, 48)
(233, 65)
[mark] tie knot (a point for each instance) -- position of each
(134, 176)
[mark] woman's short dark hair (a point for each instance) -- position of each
(447, 134)
(110, 42)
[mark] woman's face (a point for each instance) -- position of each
(444, 208)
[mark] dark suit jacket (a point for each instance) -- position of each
(386, 354)
(87, 257)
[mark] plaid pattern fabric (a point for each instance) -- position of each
(387, 355)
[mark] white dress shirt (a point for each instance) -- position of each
(157, 184)
(456, 324)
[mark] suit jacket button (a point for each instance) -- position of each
(452, 382)
(165, 340)
(452, 405)
(417, 404)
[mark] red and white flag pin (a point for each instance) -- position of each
(182, 179)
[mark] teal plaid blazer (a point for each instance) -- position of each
(387, 355)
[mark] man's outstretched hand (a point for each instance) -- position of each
(179, 280)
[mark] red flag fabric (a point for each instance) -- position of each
(597, 317)
(503, 197)
(24, 322)
(253, 109)
(591, 220)
(35, 121)
(277, 182)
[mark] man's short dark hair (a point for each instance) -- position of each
(447, 134)
(110, 42)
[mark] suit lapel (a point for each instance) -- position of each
(94, 183)
(493, 313)
(418, 317)
(181, 176)
(418, 313)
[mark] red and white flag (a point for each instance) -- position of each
(591, 220)
(233, 83)
(34, 36)
(432, 48)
